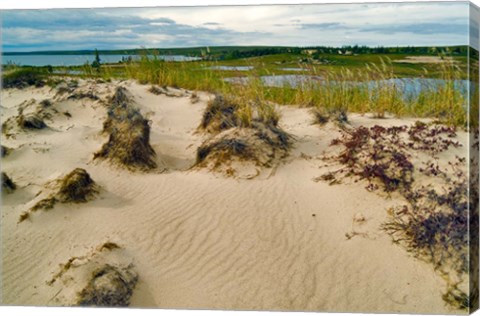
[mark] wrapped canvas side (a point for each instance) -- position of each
(474, 154)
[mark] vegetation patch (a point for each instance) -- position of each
(103, 277)
(8, 185)
(24, 77)
(247, 132)
(75, 187)
(31, 121)
(83, 95)
(5, 151)
(433, 223)
(109, 286)
(129, 135)
(263, 145)
(382, 155)
(323, 115)
(220, 114)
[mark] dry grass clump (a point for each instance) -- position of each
(102, 277)
(7, 184)
(4, 151)
(46, 103)
(241, 131)
(129, 135)
(220, 115)
(24, 77)
(261, 144)
(75, 187)
(83, 95)
(109, 286)
(323, 115)
(31, 121)
(120, 97)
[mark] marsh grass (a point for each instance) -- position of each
(371, 89)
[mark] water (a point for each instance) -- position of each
(78, 60)
(293, 69)
(409, 87)
(237, 68)
(278, 80)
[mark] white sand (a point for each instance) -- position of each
(202, 240)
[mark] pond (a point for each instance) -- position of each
(409, 87)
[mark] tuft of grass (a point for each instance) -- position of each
(264, 145)
(44, 204)
(225, 148)
(83, 95)
(8, 185)
(46, 103)
(5, 151)
(24, 77)
(31, 121)
(77, 187)
(108, 246)
(109, 286)
(323, 116)
(220, 114)
(129, 135)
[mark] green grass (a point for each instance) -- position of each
(344, 87)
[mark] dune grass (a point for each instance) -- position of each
(368, 89)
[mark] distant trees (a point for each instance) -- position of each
(96, 63)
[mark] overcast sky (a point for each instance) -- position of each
(388, 24)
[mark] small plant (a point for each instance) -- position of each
(76, 187)
(4, 151)
(7, 184)
(31, 121)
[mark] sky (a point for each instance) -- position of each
(387, 24)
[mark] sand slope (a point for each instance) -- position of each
(199, 239)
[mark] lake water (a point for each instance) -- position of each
(237, 68)
(409, 87)
(78, 60)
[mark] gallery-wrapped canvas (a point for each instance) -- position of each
(309, 157)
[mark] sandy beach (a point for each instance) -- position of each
(256, 239)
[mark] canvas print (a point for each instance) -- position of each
(311, 157)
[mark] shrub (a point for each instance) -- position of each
(109, 286)
(24, 77)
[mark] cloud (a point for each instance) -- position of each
(420, 28)
(88, 29)
(287, 25)
(322, 26)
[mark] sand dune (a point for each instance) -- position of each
(199, 239)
